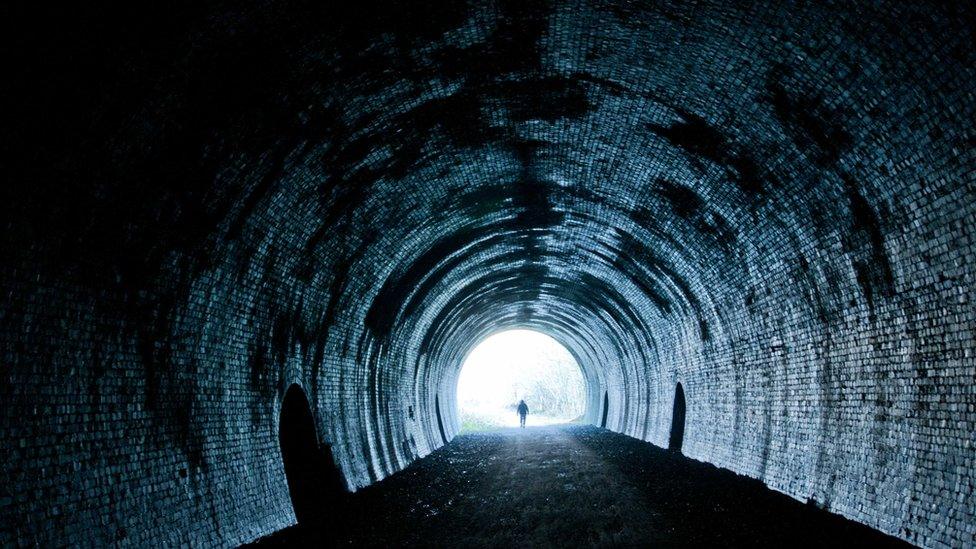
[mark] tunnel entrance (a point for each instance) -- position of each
(514, 365)
(315, 484)
(677, 420)
(606, 409)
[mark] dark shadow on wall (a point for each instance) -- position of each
(315, 483)
(440, 422)
(677, 420)
(606, 408)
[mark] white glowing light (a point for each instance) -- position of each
(519, 364)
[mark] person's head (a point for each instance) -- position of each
(522, 401)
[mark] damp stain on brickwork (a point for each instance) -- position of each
(815, 127)
(702, 141)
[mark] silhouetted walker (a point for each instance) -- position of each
(523, 410)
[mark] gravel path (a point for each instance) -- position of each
(571, 486)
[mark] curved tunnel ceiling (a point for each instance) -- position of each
(701, 192)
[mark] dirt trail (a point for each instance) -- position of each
(571, 486)
(539, 483)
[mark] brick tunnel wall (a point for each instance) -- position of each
(205, 206)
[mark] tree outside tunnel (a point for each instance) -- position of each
(513, 365)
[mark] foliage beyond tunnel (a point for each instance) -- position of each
(516, 365)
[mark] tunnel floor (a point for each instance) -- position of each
(571, 485)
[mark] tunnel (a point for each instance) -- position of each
(206, 204)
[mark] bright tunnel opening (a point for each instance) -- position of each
(516, 365)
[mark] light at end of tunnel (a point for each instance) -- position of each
(519, 365)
